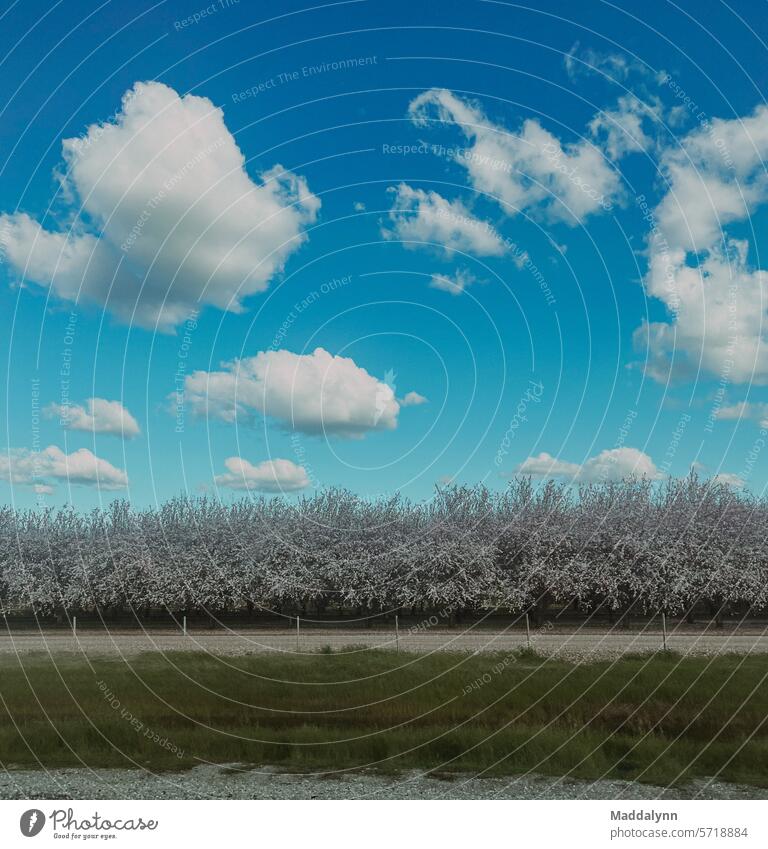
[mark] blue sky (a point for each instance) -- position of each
(363, 245)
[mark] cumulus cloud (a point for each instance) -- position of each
(547, 466)
(169, 217)
(312, 393)
(427, 217)
(745, 410)
(454, 283)
(623, 129)
(729, 479)
(269, 476)
(611, 464)
(719, 320)
(526, 170)
(97, 416)
(36, 469)
(716, 176)
(412, 399)
(716, 298)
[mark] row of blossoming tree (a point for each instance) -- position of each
(672, 547)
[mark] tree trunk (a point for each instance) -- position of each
(716, 612)
(626, 618)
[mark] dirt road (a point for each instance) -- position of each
(580, 645)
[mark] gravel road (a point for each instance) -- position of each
(231, 782)
(582, 645)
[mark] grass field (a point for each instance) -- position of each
(657, 719)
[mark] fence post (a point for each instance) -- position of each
(298, 632)
(74, 626)
(397, 632)
(664, 629)
(527, 630)
(184, 626)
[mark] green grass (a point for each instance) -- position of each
(656, 719)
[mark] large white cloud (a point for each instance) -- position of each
(313, 393)
(716, 176)
(169, 217)
(97, 416)
(39, 468)
(716, 298)
(611, 464)
(427, 217)
(719, 322)
(269, 476)
(526, 170)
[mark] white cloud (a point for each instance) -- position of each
(611, 464)
(313, 393)
(23, 467)
(98, 416)
(412, 399)
(528, 170)
(455, 283)
(717, 300)
(169, 219)
(269, 476)
(621, 130)
(719, 323)
(716, 176)
(547, 466)
(616, 66)
(729, 479)
(754, 411)
(427, 217)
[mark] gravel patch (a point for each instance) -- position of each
(577, 646)
(236, 782)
